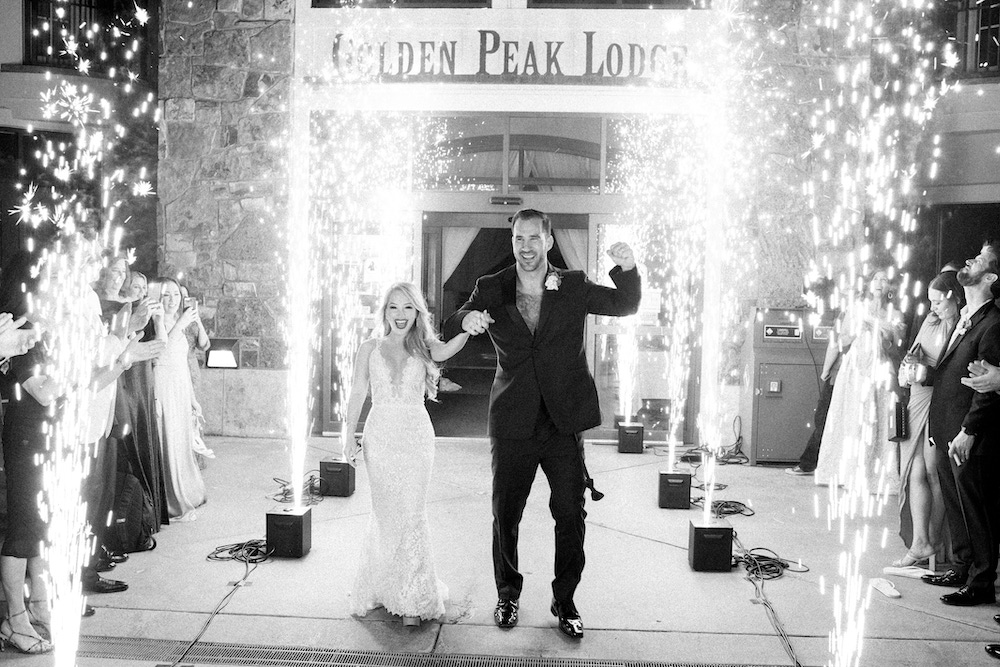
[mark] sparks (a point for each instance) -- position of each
(141, 15)
(142, 189)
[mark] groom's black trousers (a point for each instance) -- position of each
(514, 465)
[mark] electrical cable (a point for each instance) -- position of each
(762, 565)
(312, 489)
(733, 455)
(252, 552)
(722, 508)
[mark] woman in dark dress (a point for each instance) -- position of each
(135, 428)
(23, 441)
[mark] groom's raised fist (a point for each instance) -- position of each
(621, 254)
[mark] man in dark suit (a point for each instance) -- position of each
(543, 397)
(965, 429)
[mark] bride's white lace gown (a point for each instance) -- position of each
(396, 570)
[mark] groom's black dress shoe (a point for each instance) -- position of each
(966, 596)
(996, 618)
(113, 556)
(993, 650)
(102, 585)
(570, 623)
(950, 578)
(104, 565)
(505, 615)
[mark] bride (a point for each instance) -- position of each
(396, 570)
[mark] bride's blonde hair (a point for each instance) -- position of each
(421, 335)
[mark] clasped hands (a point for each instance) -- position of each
(15, 341)
(139, 350)
(984, 377)
(476, 322)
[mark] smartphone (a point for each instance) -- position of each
(190, 302)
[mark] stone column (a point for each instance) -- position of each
(225, 70)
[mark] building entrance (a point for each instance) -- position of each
(458, 248)
(474, 172)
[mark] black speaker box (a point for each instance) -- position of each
(710, 545)
(630, 436)
(675, 490)
(289, 532)
(336, 477)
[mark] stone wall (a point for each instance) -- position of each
(225, 70)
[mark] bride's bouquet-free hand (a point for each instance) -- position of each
(350, 453)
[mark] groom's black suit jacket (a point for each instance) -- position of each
(953, 405)
(551, 364)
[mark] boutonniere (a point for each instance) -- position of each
(963, 326)
(552, 282)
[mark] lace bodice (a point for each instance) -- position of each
(396, 385)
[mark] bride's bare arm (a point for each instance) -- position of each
(443, 351)
(359, 391)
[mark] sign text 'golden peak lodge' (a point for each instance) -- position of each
(587, 56)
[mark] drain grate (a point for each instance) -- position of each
(253, 655)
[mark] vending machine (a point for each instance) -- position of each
(786, 362)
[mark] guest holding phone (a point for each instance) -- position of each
(198, 341)
(185, 488)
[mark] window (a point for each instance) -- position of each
(522, 152)
(620, 4)
(49, 24)
(550, 154)
(20, 166)
(462, 153)
(978, 31)
(403, 4)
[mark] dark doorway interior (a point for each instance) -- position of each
(462, 411)
(964, 228)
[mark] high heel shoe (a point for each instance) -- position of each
(37, 646)
(411, 621)
(911, 559)
(44, 628)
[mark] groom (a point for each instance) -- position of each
(543, 397)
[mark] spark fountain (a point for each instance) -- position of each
(868, 129)
(350, 231)
(81, 178)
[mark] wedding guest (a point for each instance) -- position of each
(399, 367)
(112, 279)
(185, 488)
(198, 341)
(543, 397)
(855, 449)
(965, 429)
(33, 405)
(23, 440)
(828, 375)
(136, 286)
(136, 427)
(921, 505)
